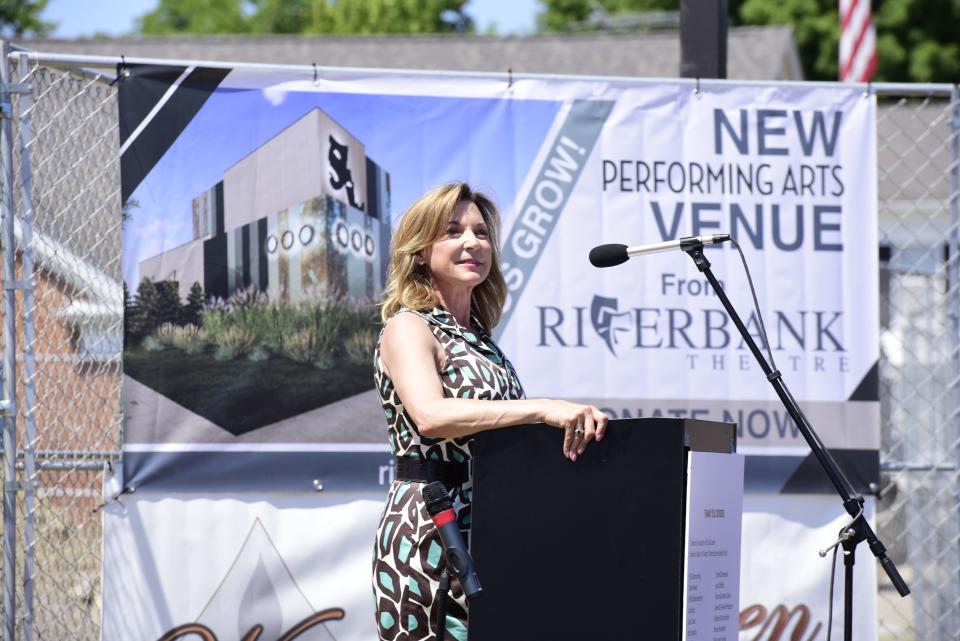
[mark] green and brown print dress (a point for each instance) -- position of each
(408, 556)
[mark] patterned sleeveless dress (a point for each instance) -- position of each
(408, 555)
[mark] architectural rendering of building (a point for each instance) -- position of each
(305, 215)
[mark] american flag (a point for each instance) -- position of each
(858, 42)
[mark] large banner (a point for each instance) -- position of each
(258, 214)
(259, 208)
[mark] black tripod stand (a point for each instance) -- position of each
(858, 530)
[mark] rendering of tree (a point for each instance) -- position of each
(169, 308)
(20, 17)
(194, 306)
(128, 311)
(143, 313)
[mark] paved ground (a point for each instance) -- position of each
(154, 418)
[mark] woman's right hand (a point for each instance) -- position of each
(580, 424)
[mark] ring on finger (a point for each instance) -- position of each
(578, 431)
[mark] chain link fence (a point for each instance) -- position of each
(68, 314)
(918, 514)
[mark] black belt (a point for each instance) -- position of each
(450, 473)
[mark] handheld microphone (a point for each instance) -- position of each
(441, 511)
(614, 254)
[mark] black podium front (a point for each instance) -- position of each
(591, 550)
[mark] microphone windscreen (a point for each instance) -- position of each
(608, 255)
(436, 497)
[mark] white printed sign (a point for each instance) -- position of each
(712, 579)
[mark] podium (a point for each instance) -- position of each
(637, 539)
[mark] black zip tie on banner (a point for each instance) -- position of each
(316, 75)
(509, 77)
(122, 71)
(130, 489)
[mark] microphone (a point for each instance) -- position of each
(614, 254)
(441, 511)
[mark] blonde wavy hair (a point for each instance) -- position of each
(424, 223)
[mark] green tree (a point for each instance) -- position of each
(816, 29)
(362, 16)
(21, 17)
(916, 39)
(173, 17)
(307, 16)
(558, 15)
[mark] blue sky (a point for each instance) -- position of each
(490, 143)
(78, 18)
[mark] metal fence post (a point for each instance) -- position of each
(954, 306)
(29, 356)
(9, 359)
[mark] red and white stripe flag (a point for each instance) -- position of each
(858, 42)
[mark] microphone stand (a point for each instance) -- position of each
(858, 530)
(442, 591)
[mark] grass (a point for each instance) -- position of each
(241, 395)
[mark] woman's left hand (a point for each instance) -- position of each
(581, 424)
(593, 427)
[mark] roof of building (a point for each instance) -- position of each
(753, 53)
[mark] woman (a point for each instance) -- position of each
(441, 380)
